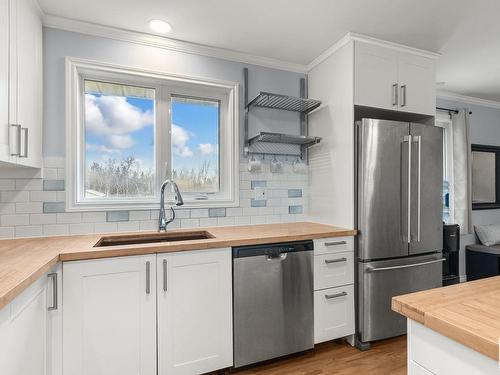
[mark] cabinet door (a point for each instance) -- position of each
(109, 316)
(375, 76)
(4, 80)
(333, 313)
(54, 321)
(417, 83)
(28, 29)
(23, 331)
(195, 312)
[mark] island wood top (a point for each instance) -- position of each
(468, 313)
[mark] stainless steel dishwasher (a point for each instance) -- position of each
(273, 301)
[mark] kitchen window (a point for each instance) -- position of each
(443, 120)
(128, 130)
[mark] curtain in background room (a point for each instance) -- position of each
(462, 171)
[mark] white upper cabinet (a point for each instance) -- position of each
(417, 84)
(109, 316)
(20, 83)
(392, 79)
(375, 76)
(195, 333)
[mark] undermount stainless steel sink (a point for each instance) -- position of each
(137, 239)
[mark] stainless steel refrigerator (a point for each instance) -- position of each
(399, 218)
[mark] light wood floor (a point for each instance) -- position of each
(339, 358)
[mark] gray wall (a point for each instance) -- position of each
(484, 129)
(58, 44)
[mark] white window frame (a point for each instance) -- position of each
(166, 85)
(443, 120)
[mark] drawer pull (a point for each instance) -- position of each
(336, 243)
(336, 295)
(53, 276)
(330, 261)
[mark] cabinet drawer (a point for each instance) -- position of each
(331, 270)
(333, 245)
(333, 313)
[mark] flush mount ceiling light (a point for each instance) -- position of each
(159, 26)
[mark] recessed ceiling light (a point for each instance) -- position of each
(159, 26)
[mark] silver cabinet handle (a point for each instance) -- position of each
(148, 277)
(53, 276)
(403, 95)
(17, 128)
(336, 243)
(395, 94)
(372, 269)
(418, 140)
(165, 285)
(336, 295)
(24, 148)
(329, 261)
(407, 139)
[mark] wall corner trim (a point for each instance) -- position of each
(447, 95)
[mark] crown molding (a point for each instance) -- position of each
(168, 43)
(467, 99)
(368, 39)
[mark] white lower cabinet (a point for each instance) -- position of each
(25, 334)
(109, 316)
(333, 288)
(119, 311)
(334, 313)
(195, 333)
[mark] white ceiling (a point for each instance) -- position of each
(465, 32)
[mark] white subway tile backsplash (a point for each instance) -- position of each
(29, 207)
(69, 218)
(32, 206)
(43, 219)
(81, 228)
(10, 220)
(55, 229)
(15, 196)
(29, 231)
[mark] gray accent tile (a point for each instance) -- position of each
(216, 212)
(258, 184)
(258, 203)
(294, 193)
(294, 209)
(112, 216)
(53, 185)
(53, 207)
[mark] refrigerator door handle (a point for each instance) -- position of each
(418, 140)
(373, 269)
(407, 139)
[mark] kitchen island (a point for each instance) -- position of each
(454, 329)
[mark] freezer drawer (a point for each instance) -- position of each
(331, 270)
(333, 313)
(379, 281)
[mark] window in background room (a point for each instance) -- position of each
(443, 120)
(195, 144)
(119, 135)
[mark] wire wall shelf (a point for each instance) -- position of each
(284, 102)
(301, 140)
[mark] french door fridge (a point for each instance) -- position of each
(399, 218)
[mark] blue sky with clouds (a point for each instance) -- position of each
(118, 127)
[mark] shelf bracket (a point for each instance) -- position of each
(245, 105)
(303, 119)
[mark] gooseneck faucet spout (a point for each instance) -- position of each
(162, 220)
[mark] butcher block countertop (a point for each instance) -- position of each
(23, 261)
(468, 313)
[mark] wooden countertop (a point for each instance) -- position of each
(468, 313)
(22, 261)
